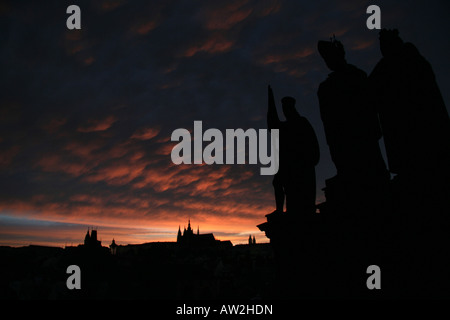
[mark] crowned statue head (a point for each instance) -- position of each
(333, 53)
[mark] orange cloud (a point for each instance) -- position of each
(84, 150)
(119, 150)
(73, 35)
(74, 42)
(226, 17)
(89, 60)
(282, 57)
(145, 133)
(232, 13)
(360, 45)
(162, 179)
(98, 125)
(52, 125)
(117, 174)
(144, 28)
(7, 156)
(86, 198)
(95, 158)
(298, 73)
(56, 163)
(171, 84)
(109, 5)
(215, 44)
(165, 149)
(269, 7)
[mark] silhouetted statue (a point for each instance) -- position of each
(416, 130)
(351, 124)
(412, 113)
(299, 154)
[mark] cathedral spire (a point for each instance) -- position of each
(179, 233)
(87, 238)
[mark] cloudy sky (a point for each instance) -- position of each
(86, 115)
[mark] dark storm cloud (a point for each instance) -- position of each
(86, 115)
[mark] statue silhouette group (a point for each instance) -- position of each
(395, 215)
(399, 101)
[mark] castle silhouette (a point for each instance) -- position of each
(191, 239)
(90, 240)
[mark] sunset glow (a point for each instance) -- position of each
(86, 115)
